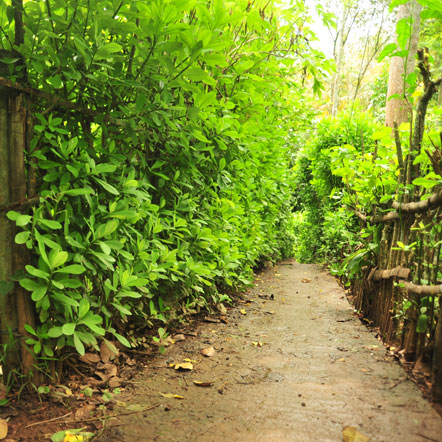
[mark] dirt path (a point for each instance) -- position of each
(317, 371)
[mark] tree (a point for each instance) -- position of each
(407, 24)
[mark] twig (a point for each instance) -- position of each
(48, 420)
(426, 437)
(74, 421)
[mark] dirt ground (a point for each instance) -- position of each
(292, 363)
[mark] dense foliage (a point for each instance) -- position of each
(324, 230)
(161, 155)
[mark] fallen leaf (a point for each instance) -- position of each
(208, 352)
(341, 360)
(90, 358)
(179, 338)
(115, 382)
(306, 280)
(190, 360)
(207, 319)
(257, 343)
(170, 395)
(3, 428)
(243, 312)
(203, 384)
(108, 351)
(184, 366)
(350, 434)
(84, 412)
(222, 308)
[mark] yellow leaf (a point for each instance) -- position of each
(203, 384)
(171, 396)
(243, 312)
(190, 360)
(184, 366)
(350, 434)
(3, 428)
(69, 437)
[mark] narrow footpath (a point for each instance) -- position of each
(291, 363)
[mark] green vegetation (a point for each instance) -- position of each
(161, 156)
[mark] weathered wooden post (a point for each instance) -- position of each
(8, 312)
(436, 375)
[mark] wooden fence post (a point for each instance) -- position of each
(20, 256)
(436, 366)
(8, 312)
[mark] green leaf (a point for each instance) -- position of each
(422, 323)
(403, 30)
(13, 216)
(427, 183)
(107, 229)
(106, 186)
(75, 269)
(78, 345)
(83, 308)
(30, 330)
(30, 284)
(22, 237)
(63, 299)
(80, 191)
(37, 272)
(22, 220)
(387, 51)
(107, 50)
(57, 258)
(121, 308)
(122, 339)
(39, 293)
(68, 329)
(55, 332)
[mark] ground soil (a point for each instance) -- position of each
(292, 362)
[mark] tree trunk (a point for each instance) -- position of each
(397, 110)
(339, 59)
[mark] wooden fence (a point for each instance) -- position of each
(401, 293)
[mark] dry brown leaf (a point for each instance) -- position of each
(203, 384)
(208, 319)
(184, 366)
(351, 434)
(179, 338)
(85, 411)
(170, 395)
(108, 351)
(115, 382)
(306, 280)
(208, 352)
(3, 391)
(3, 428)
(90, 358)
(222, 308)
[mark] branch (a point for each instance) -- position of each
(57, 101)
(423, 290)
(435, 200)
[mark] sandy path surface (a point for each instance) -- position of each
(299, 367)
